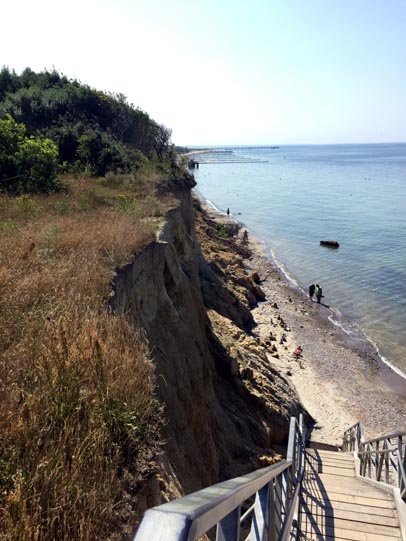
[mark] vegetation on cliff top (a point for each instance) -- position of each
(80, 423)
(93, 131)
(79, 420)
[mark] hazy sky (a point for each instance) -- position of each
(229, 71)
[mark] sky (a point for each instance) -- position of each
(228, 72)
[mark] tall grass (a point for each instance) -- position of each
(78, 417)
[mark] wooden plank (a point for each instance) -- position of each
(331, 463)
(358, 498)
(336, 460)
(358, 508)
(330, 454)
(352, 480)
(327, 479)
(338, 472)
(342, 463)
(345, 488)
(335, 453)
(347, 491)
(361, 500)
(352, 515)
(313, 463)
(345, 535)
(329, 525)
(365, 537)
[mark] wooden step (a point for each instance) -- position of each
(358, 507)
(324, 489)
(349, 457)
(339, 534)
(330, 525)
(336, 505)
(344, 464)
(361, 500)
(349, 514)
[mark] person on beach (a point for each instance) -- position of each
(298, 356)
(245, 237)
(312, 289)
(228, 212)
(319, 293)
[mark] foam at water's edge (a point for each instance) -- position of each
(284, 271)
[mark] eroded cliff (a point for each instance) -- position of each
(225, 407)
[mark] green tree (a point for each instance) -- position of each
(27, 164)
(11, 137)
(91, 128)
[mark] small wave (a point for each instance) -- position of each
(349, 329)
(283, 270)
(394, 368)
(213, 206)
(359, 335)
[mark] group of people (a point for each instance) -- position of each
(315, 290)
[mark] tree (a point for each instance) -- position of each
(161, 140)
(27, 164)
(90, 127)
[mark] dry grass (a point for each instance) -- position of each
(78, 419)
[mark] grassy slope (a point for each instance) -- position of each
(78, 420)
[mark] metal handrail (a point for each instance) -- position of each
(275, 489)
(382, 459)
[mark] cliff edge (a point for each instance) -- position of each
(227, 411)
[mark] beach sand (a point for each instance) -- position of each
(338, 382)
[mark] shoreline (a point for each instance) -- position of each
(390, 374)
(340, 383)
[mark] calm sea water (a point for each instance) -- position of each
(355, 194)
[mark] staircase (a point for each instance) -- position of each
(313, 495)
(336, 505)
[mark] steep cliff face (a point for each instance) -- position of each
(224, 406)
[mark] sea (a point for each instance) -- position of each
(292, 197)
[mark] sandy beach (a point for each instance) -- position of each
(337, 382)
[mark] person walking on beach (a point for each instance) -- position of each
(319, 293)
(298, 356)
(228, 212)
(312, 289)
(245, 237)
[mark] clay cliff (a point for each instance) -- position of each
(226, 410)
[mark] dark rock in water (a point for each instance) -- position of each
(329, 243)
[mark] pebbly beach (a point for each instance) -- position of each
(338, 380)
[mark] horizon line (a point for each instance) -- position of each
(267, 145)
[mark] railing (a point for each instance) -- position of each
(228, 506)
(382, 459)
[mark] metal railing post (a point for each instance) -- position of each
(272, 512)
(260, 520)
(228, 529)
(278, 505)
(385, 447)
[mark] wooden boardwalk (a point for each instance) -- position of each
(335, 505)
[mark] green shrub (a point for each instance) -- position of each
(221, 230)
(27, 164)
